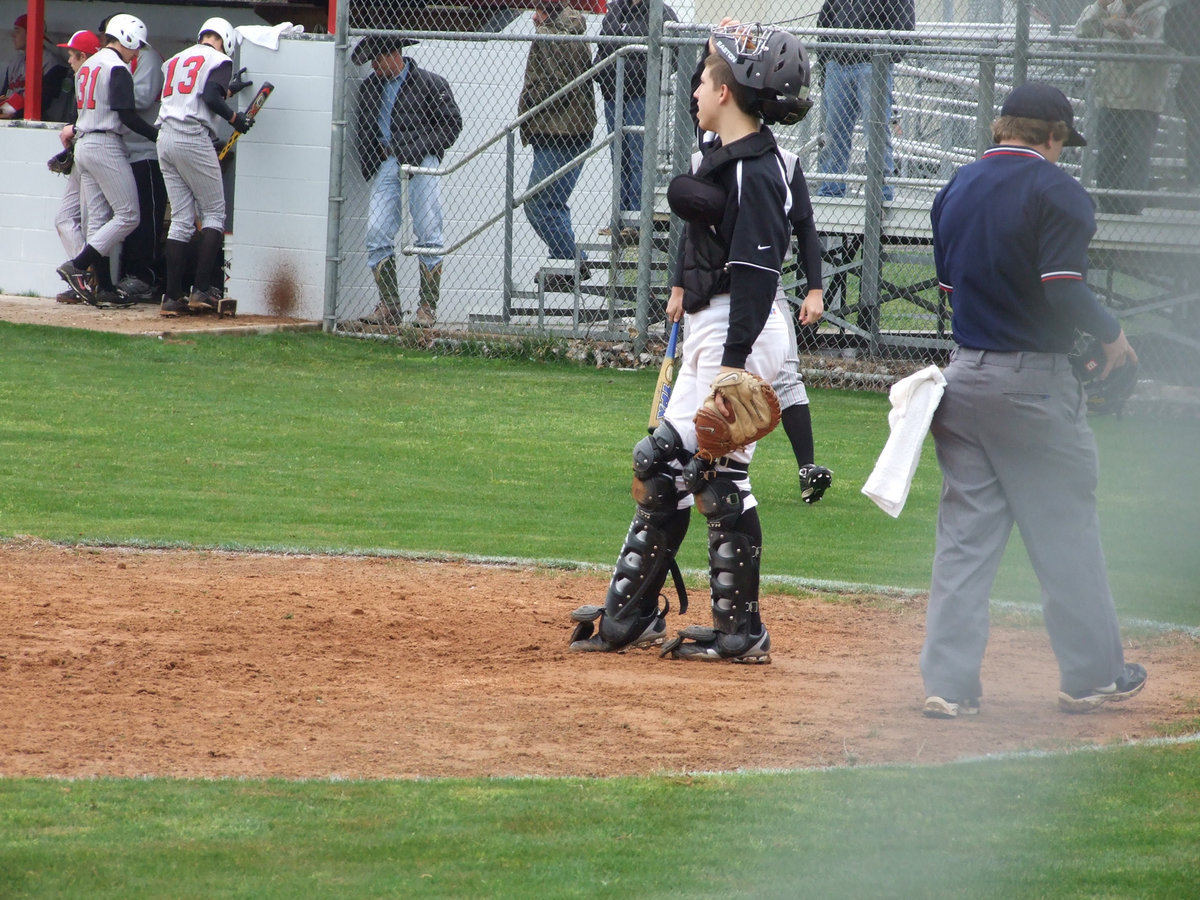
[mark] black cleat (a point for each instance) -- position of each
(814, 482)
(1130, 682)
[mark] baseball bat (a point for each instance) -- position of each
(666, 379)
(251, 111)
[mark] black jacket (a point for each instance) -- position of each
(425, 120)
(626, 18)
(867, 15)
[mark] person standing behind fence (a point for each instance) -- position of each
(1010, 245)
(1130, 96)
(406, 116)
(56, 80)
(626, 19)
(104, 91)
(197, 82)
(1181, 29)
(559, 132)
(846, 83)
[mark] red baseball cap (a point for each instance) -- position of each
(85, 42)
(22, 22)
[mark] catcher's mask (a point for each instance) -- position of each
(773, 65)
(1104, 395)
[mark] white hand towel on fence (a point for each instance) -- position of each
(914, 400)
(268, 35)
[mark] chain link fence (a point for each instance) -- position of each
(554, 227)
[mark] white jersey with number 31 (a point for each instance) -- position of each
(184, 76)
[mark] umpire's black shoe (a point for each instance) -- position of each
(1130, 682)
(814, 482)
(79, 280)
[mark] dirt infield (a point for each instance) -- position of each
(135, 662)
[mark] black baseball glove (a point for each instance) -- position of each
(239, 82)
(63, 162)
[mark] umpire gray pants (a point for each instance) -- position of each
(1014, 446)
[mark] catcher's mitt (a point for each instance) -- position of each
(1107, 395)
(753, 413)
(62, 162)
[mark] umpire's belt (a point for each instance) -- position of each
(1020, 359)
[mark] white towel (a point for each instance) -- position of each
(914, 400)
(268, 35)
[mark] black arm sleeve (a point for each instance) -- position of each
(809, 252)
(748, 312)
(1075, 303)
(135, 123)
(216, 89)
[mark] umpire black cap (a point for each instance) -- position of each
(378, 45)
(1038, 100)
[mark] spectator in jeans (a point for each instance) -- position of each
(846, 85)
(626, 18)
(558, 133)
(1130, 95)
(1181, 30)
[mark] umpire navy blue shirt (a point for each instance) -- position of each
(1010, 239)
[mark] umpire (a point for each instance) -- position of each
(1010, 239)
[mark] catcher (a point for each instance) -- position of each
(735, 206)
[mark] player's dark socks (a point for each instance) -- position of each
(90, 258)
(206, 258)
(175, 253)
(797, 425)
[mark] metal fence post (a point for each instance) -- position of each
(1021, 43)
(510, 187)
(337, 159)
(985, 111)
(654, 55)
(877, 121)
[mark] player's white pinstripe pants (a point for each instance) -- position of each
(703, 345)
(108, 189)
(69, 219)
(192, 174)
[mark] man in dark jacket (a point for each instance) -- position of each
(558, 133)
(406, 116)
(846, 84)
(627, 19)
(1181, 30)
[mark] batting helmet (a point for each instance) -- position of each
(222, 29)
(773, 65)
(1104, 395)
(129, 31)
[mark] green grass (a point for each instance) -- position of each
(1123, 823)
(311, 442)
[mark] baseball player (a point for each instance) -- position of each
(197, 82)
(141, 252)
(735, 204)
(105, 107)
(69, 219)
(1010, 243)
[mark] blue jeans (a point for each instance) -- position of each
(846, 98)
(633, 112)
(385, 215)
(548, 211)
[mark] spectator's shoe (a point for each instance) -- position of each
(204, 301)
(135, 289)
(1130, 682)
(946, 708)
(79, 281)
(426, 315)
(705, 644)
(814, 482)
(107, 298)
(558, 283)
(172, 308)
(67, 297)
(383, 316)
(626, 237)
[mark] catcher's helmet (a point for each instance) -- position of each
(1107, 395)
(773, 65)
(222, 29)
(129, 31)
